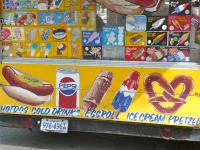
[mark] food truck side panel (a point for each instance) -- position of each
(142, 95)
(139, 99)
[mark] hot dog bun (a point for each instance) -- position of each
(23, 96)
(20, 79)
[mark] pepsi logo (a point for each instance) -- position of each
(67, 86)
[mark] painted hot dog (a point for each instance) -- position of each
(24, 96)
(26, 88)
(18, 78)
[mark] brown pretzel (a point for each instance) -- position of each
(168, 94)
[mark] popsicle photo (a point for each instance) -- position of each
(125, 95)
(157, 38)
(179, 23)
(180, 7)
(179, 39)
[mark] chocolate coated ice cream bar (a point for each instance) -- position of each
(138, 53)
(86, 17)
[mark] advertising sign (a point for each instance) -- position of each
(145, 95)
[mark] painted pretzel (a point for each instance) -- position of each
(168, 94)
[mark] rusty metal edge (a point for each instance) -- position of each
(108, 127)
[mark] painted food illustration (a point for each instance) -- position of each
(169, 92)
(124, 97)
(96, 93)
(147, 3)
(26, 88)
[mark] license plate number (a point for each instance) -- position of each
(54, 125)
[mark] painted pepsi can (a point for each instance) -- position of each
(67, 84)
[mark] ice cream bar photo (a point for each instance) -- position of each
(124, 97)
(144, 3)
(86, 17)
(61, 49)
(6, 33)
(134, 40)
(87, 3)
(59, 33)
(18, 33)
(96, 93)
(75, 49)
(180, 55)
(45, 34)
(19, 50)
(158, 23)
(158, 55)
(92, 37)
(67, 18)
(58, 3)
(32, 34)
(138, 53)
(47, 4)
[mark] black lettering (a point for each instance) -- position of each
(16, 109)
(103, 114)
(54, 112)
(98, 114)
(3, 108)
(190, 121)
(7, 108)
(141, 116)
(25, 109)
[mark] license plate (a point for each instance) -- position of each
(54, 125)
